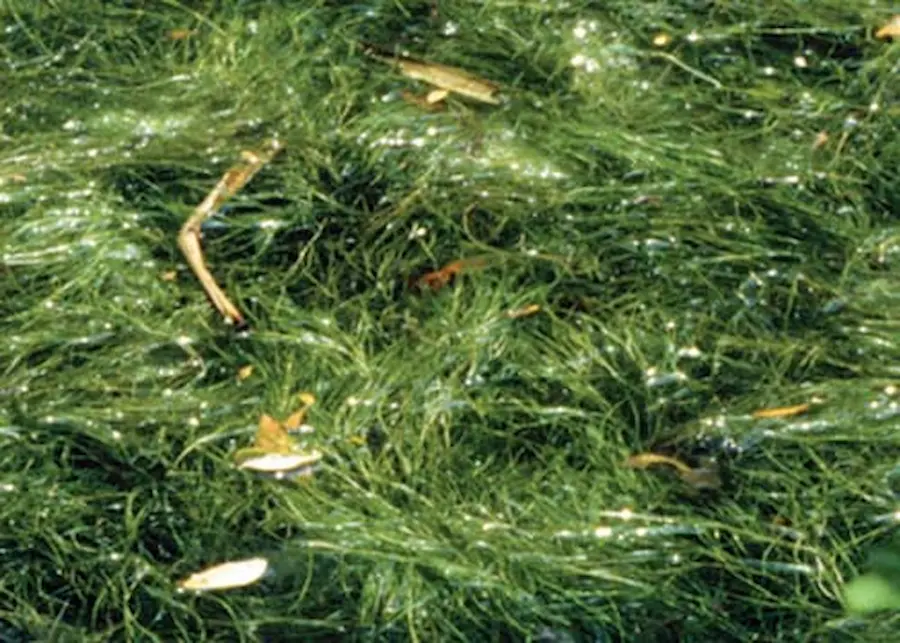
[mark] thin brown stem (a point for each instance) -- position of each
(189, 236)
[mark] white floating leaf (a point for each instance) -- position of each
(275, 462)
(238, 573)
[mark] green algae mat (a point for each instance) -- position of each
(600, 342)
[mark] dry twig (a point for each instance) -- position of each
(189, 237)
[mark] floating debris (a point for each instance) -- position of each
(422, 102)
(699, 477)
(891, 28)
(440, 278)
(820, 140)
(447, 79)
(274, 450)
(281, 462)
(297, 418)
(238, 573)
(525, 311)
(780, 412)
(13, 178)
(189, 237)
(180, 34)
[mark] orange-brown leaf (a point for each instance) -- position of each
(440, 278)
(295, 420)
(298, 417)
(272, 436)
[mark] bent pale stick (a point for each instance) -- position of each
(189, 236)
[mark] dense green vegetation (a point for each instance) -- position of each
(701, 198)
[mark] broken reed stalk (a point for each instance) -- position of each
(444, 77)
(189, 236)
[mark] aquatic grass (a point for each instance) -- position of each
(694, 253)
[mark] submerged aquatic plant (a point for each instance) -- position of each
(704, 221)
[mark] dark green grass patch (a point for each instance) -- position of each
(707, 226)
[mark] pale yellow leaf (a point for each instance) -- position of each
(239, 573)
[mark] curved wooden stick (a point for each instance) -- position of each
(189, 236)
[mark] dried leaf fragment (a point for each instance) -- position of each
(422, 102)
(272, 436)
(440, 278)
(444, 77)
(645, 460)
(274, 450)
(238, 573)
(436, 96)
(820, 139)
(180, 34)
(699, 478)
(890, 29)
(297, 418)
(781, 411)
(525, 311)
(306, 398)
